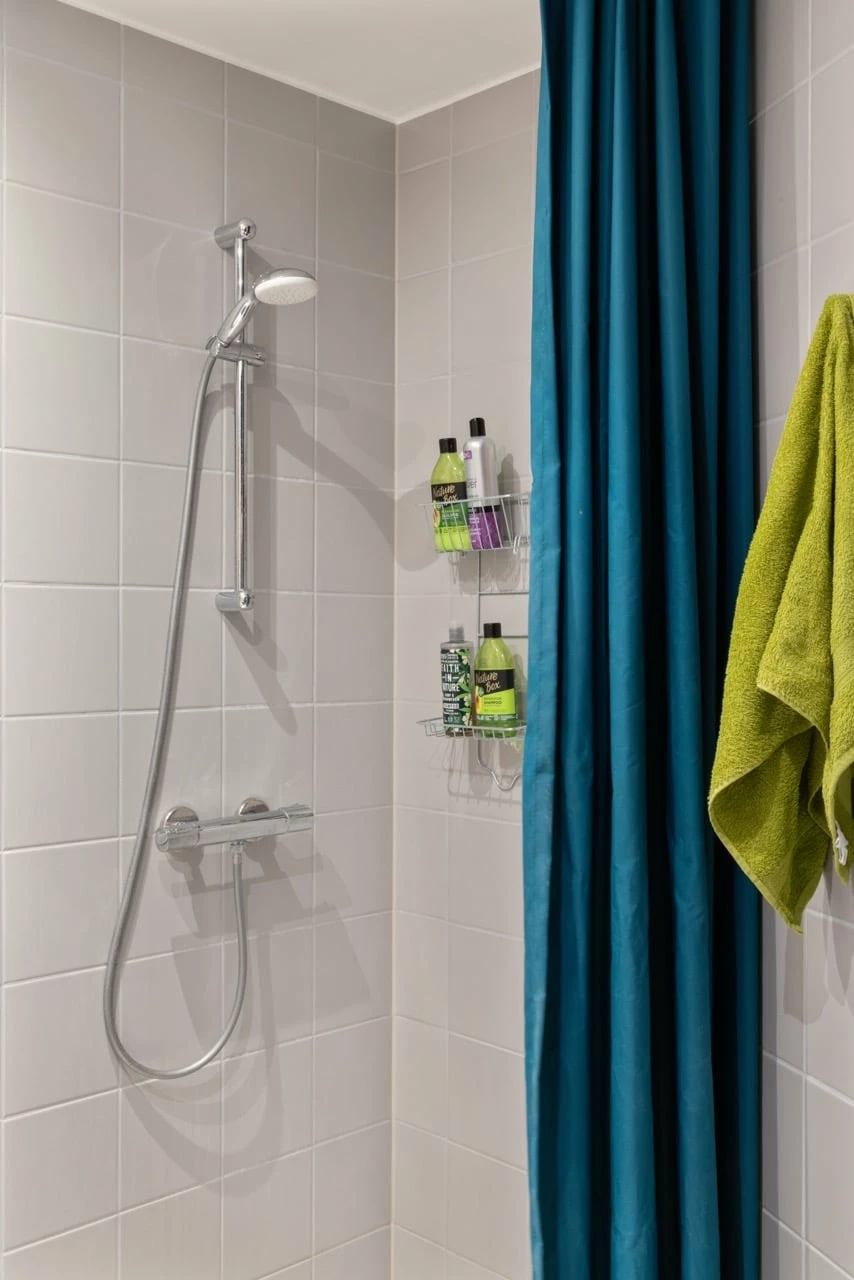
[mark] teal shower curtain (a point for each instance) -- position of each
(642, 957)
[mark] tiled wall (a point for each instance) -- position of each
(804, 102)
(121, 155)
(465, 195)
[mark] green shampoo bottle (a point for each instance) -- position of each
(495, 683)
(448, 491)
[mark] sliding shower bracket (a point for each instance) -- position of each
(241, 599)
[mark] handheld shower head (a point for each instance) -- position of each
(279, 288)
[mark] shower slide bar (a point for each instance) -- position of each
(183, 829)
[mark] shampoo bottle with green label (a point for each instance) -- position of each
(448, 491)
(456, 683)
(495, 684)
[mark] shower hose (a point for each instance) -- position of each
(136, 871)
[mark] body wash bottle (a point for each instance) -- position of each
(456, 654)
(485, 516)
(448, 491)
(495, 684)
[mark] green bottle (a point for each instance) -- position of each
(495, 684)
(448, 491)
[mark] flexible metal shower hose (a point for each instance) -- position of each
(136, 871)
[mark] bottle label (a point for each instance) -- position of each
(486, 528)
(449, 510)
(456, 686)
(495, 700)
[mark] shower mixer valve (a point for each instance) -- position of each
(183, 829)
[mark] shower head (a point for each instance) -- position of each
(279, 288)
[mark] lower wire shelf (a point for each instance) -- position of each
(436, 728)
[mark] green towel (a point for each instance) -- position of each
(781, 782)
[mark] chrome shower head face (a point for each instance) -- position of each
(279, 288)
(285, 286)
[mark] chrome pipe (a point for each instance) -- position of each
(241, 599)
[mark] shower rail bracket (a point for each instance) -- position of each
(183, 829)
(235, 601)
(236, 351)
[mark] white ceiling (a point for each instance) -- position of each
(394, 58)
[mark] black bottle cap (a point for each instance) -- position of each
(477, 426)
(448, 445)
(492, 630)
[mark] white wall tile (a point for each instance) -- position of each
(158, 393)
(171, 1009)
(485, 980)
(60, 650)
(62, 130)
(171, 1133)
(782, 1142)
(181, 902)
(421, 862)
(423, 216)
(485, 875)
(76, 1255)
(79, 288)
(781, 149)
(355, 648)
(829, 1134)
(832, 188)
(77, 757)
(353, 874)
(355, 539)
(353, 974)
(355, 215)
(781, 48)
(355, 324)
(495, 113)
(782, 1252)
(421, 1075)
(352, 1077)
(278, 993)
(781, 294)
(283, 413)
(60, 520)
(424, 139)
(63, 34)
(415, 1258)
(349, 776)
(59, 1168)
(489, 1120)
(503, 398)
(57, 887)
(268, 757)
(268, 104)
(355, 432)
(420, 1190)
(368, 1258)
(782, 989)
(488, 1213)
(423, 418)
(144, 615)
(829, 956)
(423, 332)
(192, 773)
(269, 654)
(152, 501)
(818, 1267)
(832, 30)
(491, 311)
(172, 282)
(61, 389)
(172, 70)
(54, 1046)
(178, 1236)
(492, 206)
(267, 1107)
(283, 534)
(421, 969)
(271, 178)
(355, 134)
(352, 1186)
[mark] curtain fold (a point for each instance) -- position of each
(642, 952)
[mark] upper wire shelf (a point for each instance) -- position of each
(499, 523)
